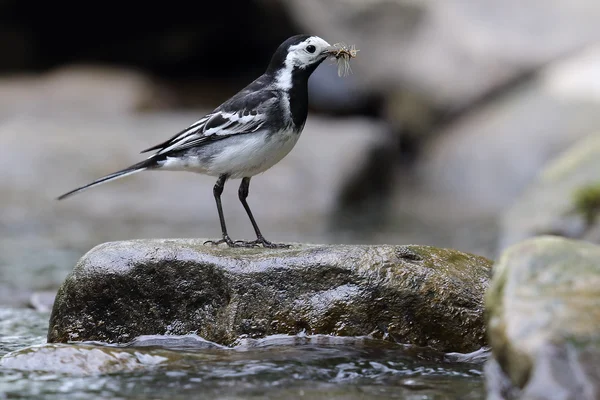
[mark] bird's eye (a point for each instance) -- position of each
(310, 48)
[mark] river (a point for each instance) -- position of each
(276, 367)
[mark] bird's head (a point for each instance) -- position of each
(301, 54)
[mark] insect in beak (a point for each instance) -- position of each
(342, 54)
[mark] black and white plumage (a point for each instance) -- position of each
(247, 134)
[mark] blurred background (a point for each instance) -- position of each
(465, 124)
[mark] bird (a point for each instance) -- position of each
(244, 136)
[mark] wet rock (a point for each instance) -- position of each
(543, 320)
(81, 360)
(563, 200)
(411, 294)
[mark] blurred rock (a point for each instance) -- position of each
(334, 95)
(452, 51)
(478, 166)
(409, 294)
(486, 159)
(497, 383)
(42, 301)
(544, 320)
(563, 200)
(471, 166)
(80, 89)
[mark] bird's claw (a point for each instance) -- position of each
(248, 244)
(225, 239)
(244, 243)
(262, 241)
(276, 245)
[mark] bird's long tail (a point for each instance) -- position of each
(141, 166)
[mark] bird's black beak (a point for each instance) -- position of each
(331, 51)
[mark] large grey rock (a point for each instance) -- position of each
(411, 294)
(543, 311)
(451, 51)
(563, 200)
(80, 88)
(487, 158)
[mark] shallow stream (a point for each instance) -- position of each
(277, 367)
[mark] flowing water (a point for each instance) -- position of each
(277, 367)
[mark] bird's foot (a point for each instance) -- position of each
(264, 242)
(246, 243)
(226, 239)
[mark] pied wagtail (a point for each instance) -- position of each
(247, 134)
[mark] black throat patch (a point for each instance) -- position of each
(298, 93)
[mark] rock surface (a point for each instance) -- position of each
(411, 294)
(563, 200)
(544, 320)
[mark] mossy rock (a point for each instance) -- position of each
(586, 201)
(544, 319)
(410, 294)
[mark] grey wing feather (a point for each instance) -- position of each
(225, 121)
(179, 135)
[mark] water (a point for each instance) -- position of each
(278, 367)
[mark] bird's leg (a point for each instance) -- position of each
(260, 239)
(217, 191)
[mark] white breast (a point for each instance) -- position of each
(239, 156)
(253, 154)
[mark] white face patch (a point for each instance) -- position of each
(300, 56)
